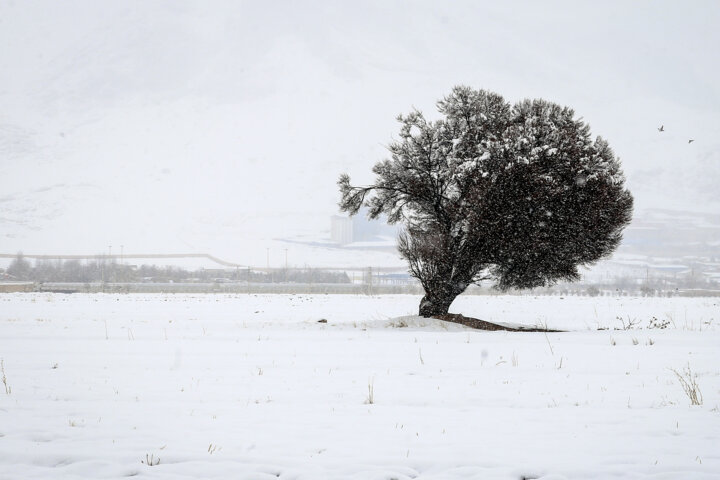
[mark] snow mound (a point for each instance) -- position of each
(416, 322)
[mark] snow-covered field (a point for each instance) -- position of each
(254, 387)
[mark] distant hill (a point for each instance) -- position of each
(184, 127)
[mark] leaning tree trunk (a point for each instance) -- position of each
(437, 300)
(433, 261)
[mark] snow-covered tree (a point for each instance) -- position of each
(519, 194)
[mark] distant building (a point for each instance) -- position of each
(358, 228)
(341, 229)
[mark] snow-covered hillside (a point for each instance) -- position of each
(221, 127)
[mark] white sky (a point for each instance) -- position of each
(219, 126)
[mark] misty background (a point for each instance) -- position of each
(221, 127)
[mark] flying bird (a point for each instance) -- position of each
(662, 128)
(691, 140)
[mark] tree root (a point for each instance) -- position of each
(483, 325)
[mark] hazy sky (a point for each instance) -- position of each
(220, 126)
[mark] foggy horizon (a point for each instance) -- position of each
(222, 127)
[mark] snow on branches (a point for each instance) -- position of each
(519, 193)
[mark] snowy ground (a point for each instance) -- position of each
(253, 387)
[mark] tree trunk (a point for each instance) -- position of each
(436, 303)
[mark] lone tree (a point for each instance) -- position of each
(519, 194)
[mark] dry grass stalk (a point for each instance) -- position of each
(8, 390)
(371, 392)
(688, 381)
